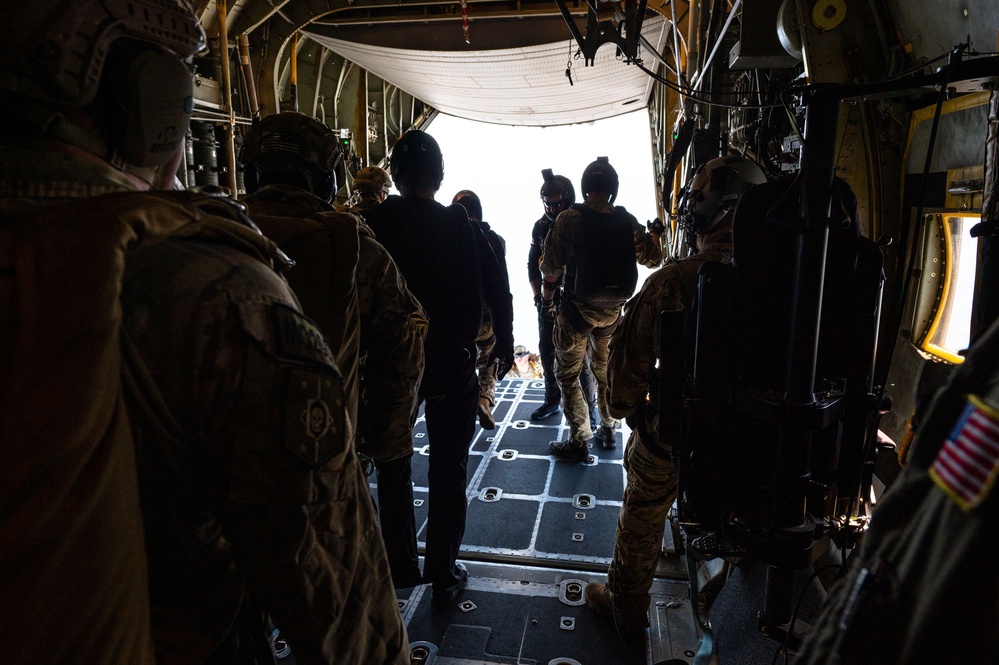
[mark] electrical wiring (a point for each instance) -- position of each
(699, 97)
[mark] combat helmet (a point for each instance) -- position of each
(373, 179)
(417, 150)
(600, 176)
(557, 193)
(714, 191)
(133, 51)
(292, 147)
(469, 200)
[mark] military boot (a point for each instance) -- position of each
(628, 619)
(606, 437)
(546, 410)
(570, 450)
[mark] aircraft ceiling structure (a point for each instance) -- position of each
(524, 86)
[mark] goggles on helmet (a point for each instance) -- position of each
(554, 205)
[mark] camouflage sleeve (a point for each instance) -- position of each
(266, 447)
(393, 329)
(557, 245)
(648, 250)
(298, 512)
(634, 346)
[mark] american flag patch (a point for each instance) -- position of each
(967, 464)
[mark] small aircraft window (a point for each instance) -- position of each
(946, 286)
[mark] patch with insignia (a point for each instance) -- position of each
(315, 421)
(299, 338)
(967, 464)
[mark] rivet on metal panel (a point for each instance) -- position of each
(466, 606)
(580, 516)
(567, 623)
(417, 503)
(577, 537)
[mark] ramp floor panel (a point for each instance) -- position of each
(538, 527)
(522, 475)
(510, 614)
(504, 526)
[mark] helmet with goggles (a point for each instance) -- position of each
(557, 194)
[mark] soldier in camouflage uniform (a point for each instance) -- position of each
(289, 157)
(557, 195)
(73, 571)
(923, 586)
(634, 350)
(252, 498)
(582, 329)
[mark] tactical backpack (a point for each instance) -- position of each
(606, 269)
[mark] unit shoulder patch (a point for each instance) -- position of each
(315, 429)
(968, 462)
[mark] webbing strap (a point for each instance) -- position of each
(707, 648)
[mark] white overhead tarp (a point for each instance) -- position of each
(519, 86)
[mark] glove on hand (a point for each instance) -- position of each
(656, 226)
(537, 301)
(503, 357)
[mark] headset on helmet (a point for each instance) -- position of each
(373, 179)
(600, 176)
(292, 145)
(469, 200)
(714, 191)
(132, 51)
(417, 150)
(557, 193)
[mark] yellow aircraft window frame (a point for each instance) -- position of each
(942, 308)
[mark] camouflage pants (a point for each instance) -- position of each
(571, 349)
(484, 344)
(650, 491)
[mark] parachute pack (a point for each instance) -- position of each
(606, 272)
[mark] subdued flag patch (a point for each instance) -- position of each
(968, 463)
